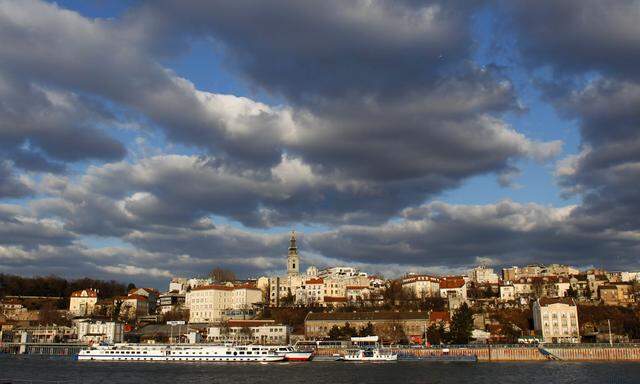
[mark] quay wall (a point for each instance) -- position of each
(517, 353)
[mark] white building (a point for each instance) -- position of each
(98, 331)
(340, 272)
(556, 320)
(257, 331)
(482, 274)
(453, 286)
(82, 303)
(507, 292)
(209, 303)
(421, 286)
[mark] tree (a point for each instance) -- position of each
(288, 299)
(462, 325)
(335, 333)
(436, 334)
(117, 307)
(130, 286)
(50, 315)
(176, 315)
(367, 330)
(222, 275)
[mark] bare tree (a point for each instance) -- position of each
(221, 275)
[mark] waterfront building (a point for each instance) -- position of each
(556, 320)
(83, 302)
(98, 331)
(265, 332)
(46, 333)
(387, 325)
(482, 275)
(421, 286)
(209, 303)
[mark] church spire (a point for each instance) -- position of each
(293, 260)
(292, 242)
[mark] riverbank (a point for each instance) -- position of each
(489, 353)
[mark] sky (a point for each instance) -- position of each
(141, 140)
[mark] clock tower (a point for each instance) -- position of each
(293, 260)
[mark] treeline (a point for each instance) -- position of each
(12, 285)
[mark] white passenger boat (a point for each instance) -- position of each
(371, 354)
(150, 352)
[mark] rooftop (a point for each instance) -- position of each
(365, 316)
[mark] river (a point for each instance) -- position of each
(43, 370)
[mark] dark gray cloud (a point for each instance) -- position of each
(314, 51)
(10, 184)
(578, 35)
(18, 227)
(506, 233)
(593, 48)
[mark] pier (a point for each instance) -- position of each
(49, 349)
(516, 352)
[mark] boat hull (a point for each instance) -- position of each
(298, 356)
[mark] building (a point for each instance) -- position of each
(151, 294)
(257, 331)
(556, 320)
(133, 306)
(482, 275)
(82, 303)
(209, 303)
(46, 334)
(616, 294)
(341, 272)
(507, 292)
(421, 286)
(454, 289)
(98, 331)
(170, 301)
(387, 325)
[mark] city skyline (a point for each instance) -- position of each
(145, 140)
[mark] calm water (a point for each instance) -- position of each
(12, 368)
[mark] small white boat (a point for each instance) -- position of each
(291, 354)
(371, 354)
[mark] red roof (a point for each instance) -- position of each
(224, 287)
(136, 297)
(318, 280)
(357, 287)
(544, 301)
(333, 299)
(451, 282)
(213, 286)
(249, 323)
(89, 293)
(437, 316)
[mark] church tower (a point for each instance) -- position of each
(293, 260)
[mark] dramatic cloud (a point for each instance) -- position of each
(594, 49)
(365, 112)
(578, 35)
